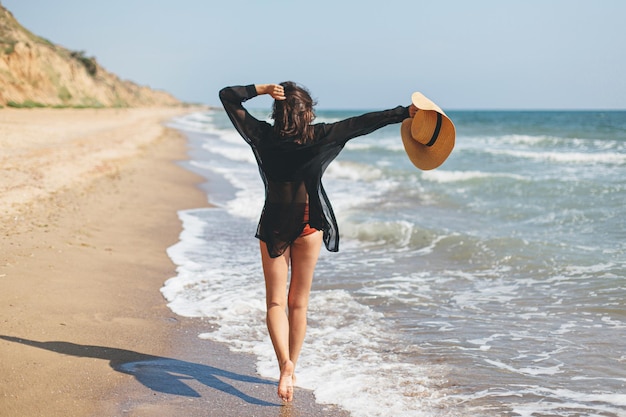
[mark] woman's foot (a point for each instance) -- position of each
(286, 381)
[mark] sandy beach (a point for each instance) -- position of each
(89, 206)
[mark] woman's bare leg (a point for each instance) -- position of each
(276, 271)
(304, 254)
(287, 331)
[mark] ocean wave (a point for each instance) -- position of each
(541, 401)
(234, 153)
(541, 141)
(354, 171)
(443, 176)
(394, 233)
(533, 371)
(194, 122)
(564, 157)
(565, 400)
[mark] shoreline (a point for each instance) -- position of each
(85, 330)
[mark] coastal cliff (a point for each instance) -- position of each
(34, 72)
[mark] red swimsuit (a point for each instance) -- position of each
(307, 229)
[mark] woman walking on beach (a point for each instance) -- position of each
(292, 155)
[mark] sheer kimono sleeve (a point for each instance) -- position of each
(353, 127)
(232, 99)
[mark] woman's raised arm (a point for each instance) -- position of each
(275, 90)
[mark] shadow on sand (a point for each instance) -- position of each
(158, 373)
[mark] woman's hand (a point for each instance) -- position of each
(412, 110)
(275, 90)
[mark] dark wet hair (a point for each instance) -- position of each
(293, 116)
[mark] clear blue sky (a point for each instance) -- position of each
(361, 54)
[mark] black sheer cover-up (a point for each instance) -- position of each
(292, 171)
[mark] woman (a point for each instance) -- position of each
(292, 155)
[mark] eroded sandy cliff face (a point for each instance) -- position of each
(34, 71)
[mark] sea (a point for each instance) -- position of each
(494, 285)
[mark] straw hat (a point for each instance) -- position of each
(428, 137)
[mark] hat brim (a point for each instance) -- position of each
(424, 103)
(427, 157)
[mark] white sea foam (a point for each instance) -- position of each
(534, 371)
(234, 153)
(353, 171)
(395, 233)
(604, 403)
(444, 176)
(492, 292)
(564, 157)
(195, 122)
(523, 140)
(552, 402)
